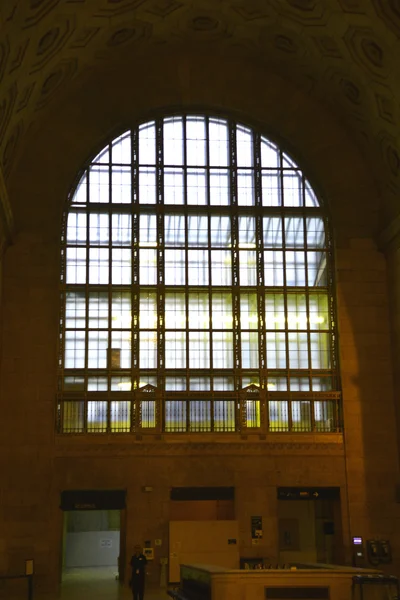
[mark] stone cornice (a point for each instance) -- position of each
(71, 447)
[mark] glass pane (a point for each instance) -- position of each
(98, 310)
(99, 190)
(224, 415)
(198, 267)
(297, 311)
(219, 187)
(173, 141)
(200, 415)
(221, 267)
(272, 227)
(122, 383)
(222, 310)
(76, 265)
(301, 416)
(320, 350)
(249, 342)
(121, 149)
(195, 141)
(96, 417)
(221, 231)
(74, 384)
(147, 267)
(278, 415)
(269, 154)
(294, 232)
(252, 413)
(76, 228)
(147, 350)
(317, 269)
(277, 384)
(315, 232)
(299, 384)
(121, 231)
(199, 350)
(199, 315)
(173, 186)
(247, 267)
(74, 350)
(175, 349)
(247, 232)
(97, 384)
(310, 197)
(147, 144)
(99, 229)
(298, 350)
(175, 416)
(245, 187)
(274, 311)
(197, 230)
(120, 416)
(273, 268)
(276, 350)
(98, 265)
(199, 384)
(121, 347)
(244, 146)
(148, 310)
(322, 384)
(248, 311)
(73, 417)
(325, 415)
(175, 383)
(175, 311)
(174, 230)
(121, 317)
(271, 188)
(295, 268)
(292, 188)
(121, 267)
(148, 230)
(223, 384)
(319, 313)
(147, 185)
(75, 310)
(222, 349)
(175, 267)
(196, 186)
(218, 143)
(97, 349)
(121, 185)
(148, 414)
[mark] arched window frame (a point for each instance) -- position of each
(155, 399)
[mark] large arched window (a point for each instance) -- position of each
(196, 287)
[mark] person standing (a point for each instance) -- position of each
(138, 564)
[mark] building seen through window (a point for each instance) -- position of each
(196, 287)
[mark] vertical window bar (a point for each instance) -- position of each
(160, 257)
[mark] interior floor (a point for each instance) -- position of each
(99, 583)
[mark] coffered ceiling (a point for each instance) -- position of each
(345, 53)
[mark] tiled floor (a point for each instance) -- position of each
(100, 584)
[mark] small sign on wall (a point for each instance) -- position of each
(105, 543)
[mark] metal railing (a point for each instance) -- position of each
(148, 411)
